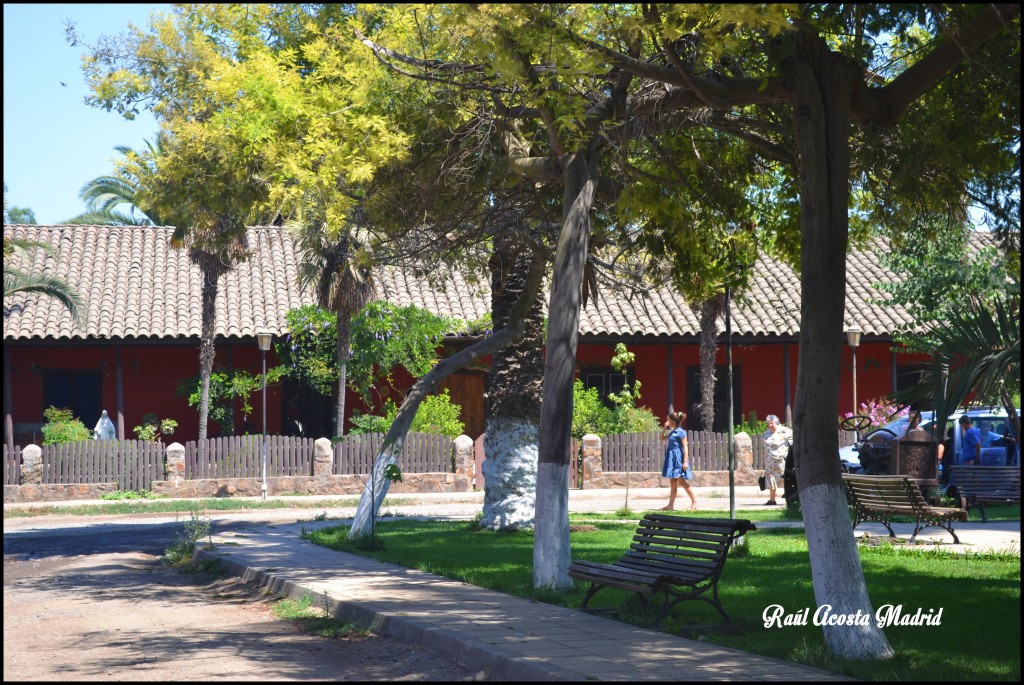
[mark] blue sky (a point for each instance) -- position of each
(53, 142)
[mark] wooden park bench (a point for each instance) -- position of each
(679, 557)
(877, 498)
(977, 486)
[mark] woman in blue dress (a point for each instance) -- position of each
(676, 467)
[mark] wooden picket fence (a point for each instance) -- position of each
(241, 456)
(12, 465)
(132, 464)
(708, 451)
(421, 453)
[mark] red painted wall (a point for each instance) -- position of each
(762, 388)
(151, 374)
(150, 378)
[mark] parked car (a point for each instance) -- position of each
(873, 450)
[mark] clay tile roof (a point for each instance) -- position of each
(137, 286)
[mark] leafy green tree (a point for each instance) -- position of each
(224, 388)
(940, 276)
(386, 336)
(309, 347)
(795, 79)
(17, 215)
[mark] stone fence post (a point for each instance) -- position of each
(32, 465)
(323, 457)
(175, 466)
(593, 474)
(743, 448)
(464, 464)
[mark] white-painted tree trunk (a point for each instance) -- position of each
(510, 474)
(552, 554)
(372, 497)
(837, 574)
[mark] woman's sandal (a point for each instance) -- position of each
(770, 503)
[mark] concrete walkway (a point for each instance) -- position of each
(508, 637)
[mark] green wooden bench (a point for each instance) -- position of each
(877, 498)
(679, 557)
(977, 486)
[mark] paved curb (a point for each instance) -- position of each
(470, 654)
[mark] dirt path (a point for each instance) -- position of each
(125, 617)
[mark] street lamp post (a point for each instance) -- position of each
(853, 338)
(263, 340)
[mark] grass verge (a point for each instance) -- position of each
(316, 619)
(979, 594)
(184, 505)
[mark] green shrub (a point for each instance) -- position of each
(589, 413)
(436, 414)
(153, 428)
(752, 426)
(61, 426)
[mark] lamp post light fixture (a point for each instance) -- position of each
(263, 340)
(853, 338)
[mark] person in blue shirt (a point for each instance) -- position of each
(970, 442)
(677, 466)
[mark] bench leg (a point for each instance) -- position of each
(947, 526)
(670, 604)
(594, 588)
(883, 521)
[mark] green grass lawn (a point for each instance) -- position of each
(979, 594)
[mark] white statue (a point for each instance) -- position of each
(104, 429)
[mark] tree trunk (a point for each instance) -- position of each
(551, 553)
(512, 399)
(211, 276)
(708, 311)
(822, 84)
(344, 321)
(377, 488)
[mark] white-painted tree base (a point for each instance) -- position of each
(838, 575)
(551, 551)
(510, 475)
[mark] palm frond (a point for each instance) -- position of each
(16, 281)
(108, 217)
(976, 350)
(14, 246)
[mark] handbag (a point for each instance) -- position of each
(762, 482)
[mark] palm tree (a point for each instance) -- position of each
(512, 397)
(106, 196)
(708, 312)
(330, 266)
(18, 281)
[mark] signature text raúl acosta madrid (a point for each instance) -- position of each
(775, 616)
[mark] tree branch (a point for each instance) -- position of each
(878, 108)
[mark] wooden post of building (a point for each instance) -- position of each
(8, 421)
(120, 393)
(787, 397)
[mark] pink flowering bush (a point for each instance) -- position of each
(880, 411)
